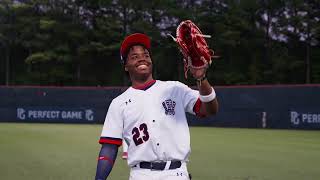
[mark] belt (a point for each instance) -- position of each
(159, 165)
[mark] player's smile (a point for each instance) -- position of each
(143, 65)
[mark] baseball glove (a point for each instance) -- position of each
(193, 46)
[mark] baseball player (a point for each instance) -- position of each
(151, 117)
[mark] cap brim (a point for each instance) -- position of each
(137, 38)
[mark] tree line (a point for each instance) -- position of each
(76, 42)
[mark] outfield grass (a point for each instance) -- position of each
(69, 152)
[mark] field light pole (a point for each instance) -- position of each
(7, 67)
(7, 60)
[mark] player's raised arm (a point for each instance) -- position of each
(197, 58)
(106, 159)
(209, 105)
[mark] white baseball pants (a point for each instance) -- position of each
(172, 174)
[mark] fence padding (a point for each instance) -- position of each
(296, 106)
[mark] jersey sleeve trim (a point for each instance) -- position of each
(197, 107)
(110, 140)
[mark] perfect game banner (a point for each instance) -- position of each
(305, 119)
(51, 114)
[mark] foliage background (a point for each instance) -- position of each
(76, 42)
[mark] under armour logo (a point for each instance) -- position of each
(129, 101)
(179, 174)
(169, 106)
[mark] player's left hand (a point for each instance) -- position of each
(198, 73)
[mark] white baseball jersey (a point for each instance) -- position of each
(152, 120)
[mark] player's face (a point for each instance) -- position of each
(139, 62)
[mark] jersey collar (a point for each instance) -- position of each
(145, 86)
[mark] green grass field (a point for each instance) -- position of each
(69, 152)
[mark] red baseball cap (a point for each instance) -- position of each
(133, 39)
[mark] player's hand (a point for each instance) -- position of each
(198, 73)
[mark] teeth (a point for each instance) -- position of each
(142, 66)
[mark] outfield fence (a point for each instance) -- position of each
(265, 106)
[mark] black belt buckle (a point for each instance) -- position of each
(157, 166)
(175, 164)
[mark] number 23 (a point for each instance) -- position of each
(143, 128)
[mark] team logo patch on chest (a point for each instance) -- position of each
(169, 106)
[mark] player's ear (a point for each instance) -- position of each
(125, 68)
